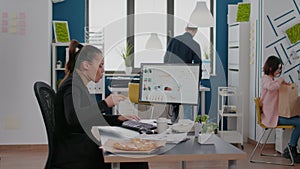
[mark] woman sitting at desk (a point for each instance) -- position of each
(270, 84)
(77, 111)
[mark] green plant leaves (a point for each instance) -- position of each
(126, 54)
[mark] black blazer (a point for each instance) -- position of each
(184, 49)
(76, 111)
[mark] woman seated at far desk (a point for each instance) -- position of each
(77, 111)
(270, 84)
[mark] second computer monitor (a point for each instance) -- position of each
(169, 83)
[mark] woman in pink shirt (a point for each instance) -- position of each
(269, 102)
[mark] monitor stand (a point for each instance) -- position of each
(174, 112)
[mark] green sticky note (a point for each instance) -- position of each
(293, 33)
(243, 13)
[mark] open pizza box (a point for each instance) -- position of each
(135, 145)
(111, 135)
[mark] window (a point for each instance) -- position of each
(149, 17)
(203, 36)
(106, 16)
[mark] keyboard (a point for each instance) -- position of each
(139, 126)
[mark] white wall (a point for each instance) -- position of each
(272, 16)
(254, 69)
(25, 40)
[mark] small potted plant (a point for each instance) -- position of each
(128, 57)
(203, 125)
(207, 128)
(199, 122)
(201, 119)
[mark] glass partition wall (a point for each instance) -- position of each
(147, 25)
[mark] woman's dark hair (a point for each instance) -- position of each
(85, 53)
(271, 65)
(73, 52)
(74, 49)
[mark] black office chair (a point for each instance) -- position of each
(46, 98)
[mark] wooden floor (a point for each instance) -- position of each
(34, 157)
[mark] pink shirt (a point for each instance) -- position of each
(269, 100)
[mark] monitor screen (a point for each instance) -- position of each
(169, 83)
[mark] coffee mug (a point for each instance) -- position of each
(162, 125)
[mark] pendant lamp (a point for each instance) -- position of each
(201, 16)
(153, 42)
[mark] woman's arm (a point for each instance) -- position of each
(269, 84)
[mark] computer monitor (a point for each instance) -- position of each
(174, 84)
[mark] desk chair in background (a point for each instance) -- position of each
(258, 113)
(133, 94)
(46, 98)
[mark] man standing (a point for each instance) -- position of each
(184, 49)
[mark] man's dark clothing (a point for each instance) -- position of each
(184, 49)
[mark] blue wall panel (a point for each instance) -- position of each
(72, 11)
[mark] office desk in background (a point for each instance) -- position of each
(202, 89)
(190, 150)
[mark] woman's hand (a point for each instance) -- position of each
(128, 117)
(286, 83)
(114, 99)
(282, 81)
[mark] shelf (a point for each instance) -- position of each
(230, 114)
(228, 108)
(226, 94)
(233, 67)
(61, 44)
(233, 46)
(231, 136)
(231, 107)
(237, 90)
(60, 68)
(234, 24)
(227, 91)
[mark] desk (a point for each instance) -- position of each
(202, 90)
(187, 151)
